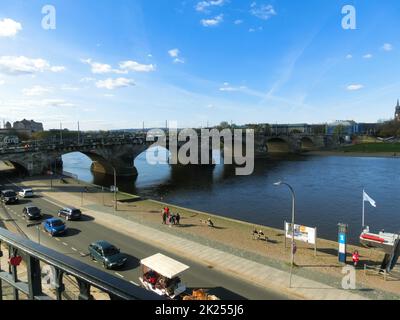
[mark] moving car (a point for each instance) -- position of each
(107, 254)
(161, 275)
(70, 213)
(54, 226)
(32, 213)
(26, 193)
(9, 196)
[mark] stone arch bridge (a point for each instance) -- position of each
(119, 155)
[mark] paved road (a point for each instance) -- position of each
(81, 233)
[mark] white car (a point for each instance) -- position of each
(26, 193)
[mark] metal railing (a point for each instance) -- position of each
(86, 276)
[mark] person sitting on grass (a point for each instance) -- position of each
(210, 223)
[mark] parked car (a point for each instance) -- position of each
(54, 226)
(70, 213)
(26, 193)
(9, 196)
(107, 254)
(32, 213)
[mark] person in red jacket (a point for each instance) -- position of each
(356, 258)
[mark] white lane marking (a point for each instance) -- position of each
(57, 239)
(65, 244)
(134, 283)
(119, 275)
(82, 254)
(74, 249)
(95, 261)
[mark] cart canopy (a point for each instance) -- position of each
(164, 265)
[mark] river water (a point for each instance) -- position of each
(328, 190)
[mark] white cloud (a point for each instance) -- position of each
(228, 88)
(101, 68)
(202, 6)
(349, 56)
(355, 87)
(87, 79)
(174, 53)
(367, 56)
(136, 67)
(2, 82)
(13, 65)
(55, 103)
(35, 91)
(9, 28)
(263, 11)
(237, 22)
(212, 22)
(112, 84)
(387, 47)
(57, 69)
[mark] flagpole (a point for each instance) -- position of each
(363, 210)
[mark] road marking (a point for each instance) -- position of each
(95, 261)
(119, 275)
(74, 249)
(82, 254)
(134, 283)
(65, 244)
(57, 239)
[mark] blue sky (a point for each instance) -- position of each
(115, 64)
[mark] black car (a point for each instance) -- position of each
(9, 196)
(107, 254)
(32, 213)
(70, 213)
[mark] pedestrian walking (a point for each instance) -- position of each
(178, 218)
(164, 217)
(356, 258)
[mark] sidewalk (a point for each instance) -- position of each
(247, 269)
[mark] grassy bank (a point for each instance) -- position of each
(373, 148)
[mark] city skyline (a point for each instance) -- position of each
(114, 66)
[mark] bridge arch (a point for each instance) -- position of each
(278, 145)
(307, 144)
(17, 165)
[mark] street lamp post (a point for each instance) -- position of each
(280, 183)
(115, 189)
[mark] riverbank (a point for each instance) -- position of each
(342, 153)
(231, 236)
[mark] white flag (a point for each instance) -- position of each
(369, 199)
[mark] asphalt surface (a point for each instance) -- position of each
(81, 233)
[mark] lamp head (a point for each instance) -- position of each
(279, 183)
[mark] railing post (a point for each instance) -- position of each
(34, 277)
(60, 288)
(84, 290)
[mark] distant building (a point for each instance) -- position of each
(343, 127)
(369, 129)
(286, 129)
(31, 126)
(8, 125)
(397, 112)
